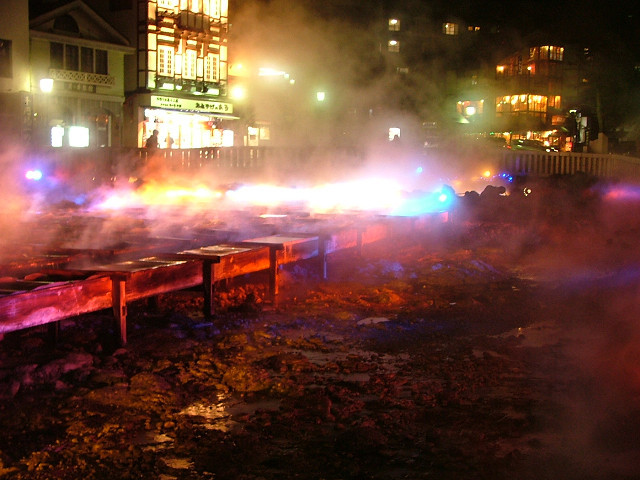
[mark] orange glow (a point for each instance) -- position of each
(366, 195)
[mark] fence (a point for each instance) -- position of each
(243, 163)
(544, 164)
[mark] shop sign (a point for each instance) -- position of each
(190, 104)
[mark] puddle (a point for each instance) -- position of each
(220, 415)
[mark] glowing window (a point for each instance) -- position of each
(168, 4)
(211, 68)
(537, 103)
(556, 53)
(211, 8)
(165, 60)
(450, 29)
(394, 25)
(394, 46)
(554, 101)
(189, 68)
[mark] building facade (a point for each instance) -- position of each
(77, 78)
(16, 102)
(177, 82)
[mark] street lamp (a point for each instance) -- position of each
(46, 85)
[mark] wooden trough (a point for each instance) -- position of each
(85, 281)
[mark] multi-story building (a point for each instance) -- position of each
(176, 82)
(76, 78)
(529, 90)
(15, 88)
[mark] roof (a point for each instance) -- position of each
(77, 19)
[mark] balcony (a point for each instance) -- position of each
(82, 77)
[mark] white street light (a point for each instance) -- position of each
(46, 85)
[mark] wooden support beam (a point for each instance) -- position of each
(119, 301)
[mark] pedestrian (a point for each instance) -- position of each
(152, 141)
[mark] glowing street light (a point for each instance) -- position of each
(320, 96)
(238, 92)
(46, 85)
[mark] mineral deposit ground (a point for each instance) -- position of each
(480, 349)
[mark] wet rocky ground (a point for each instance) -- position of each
(477, 350)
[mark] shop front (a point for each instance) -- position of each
(184, 122)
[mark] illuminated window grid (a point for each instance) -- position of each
(450, 29)
(165, 60)
(190, 61)
(524, 103)
(211, 68)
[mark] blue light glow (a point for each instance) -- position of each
(33, 175)
(422, 203)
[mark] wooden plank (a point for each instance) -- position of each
(344, 239)
(373, 232)
(251, 260)
(164, 278)
(54, 302)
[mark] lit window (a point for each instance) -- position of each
(556, 53)
(211, 8)
(450, 29)
(394, 46)
(189, 68)
(555, 101)
(394, 25)
(211, 68)
(165, 61)
(537, 103)
(402, 70)
(168, 4)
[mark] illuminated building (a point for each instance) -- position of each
(176, 82)
(77, 77)
(61, 76)
(529, 91)
(15, 90)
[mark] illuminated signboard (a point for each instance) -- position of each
(191, 105)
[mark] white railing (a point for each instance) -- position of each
(544, 164)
